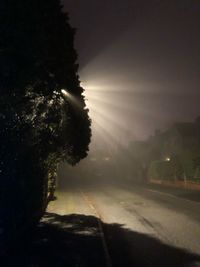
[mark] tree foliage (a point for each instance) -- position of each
(39, 125)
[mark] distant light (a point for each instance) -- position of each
(167, 159)
(106, 158)
(64, 92)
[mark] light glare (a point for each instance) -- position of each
(64, 92)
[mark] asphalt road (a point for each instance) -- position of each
(136, 226)
(105, 226)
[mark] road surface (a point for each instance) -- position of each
(105, 226)
(136, 226)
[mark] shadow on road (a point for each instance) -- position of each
(75, 240)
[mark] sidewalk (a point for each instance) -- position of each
(193, 195)
(189, 184)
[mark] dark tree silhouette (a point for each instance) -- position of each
(40, 126)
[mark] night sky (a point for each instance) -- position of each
(139, 63)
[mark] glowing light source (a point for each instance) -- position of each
(64, 92)
(167, 159)
(70, 98)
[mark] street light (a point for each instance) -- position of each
(64, 92)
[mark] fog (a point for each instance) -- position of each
(134, 199)
(139, 64)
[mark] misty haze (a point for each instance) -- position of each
(100, 133)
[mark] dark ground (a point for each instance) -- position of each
(74, 240)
